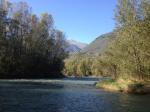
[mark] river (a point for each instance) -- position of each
(66, 95)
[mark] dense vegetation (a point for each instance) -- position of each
(90, 62)
(77, 65)
(89, 65)
(81, 65)
(29, 45)
(128, 55)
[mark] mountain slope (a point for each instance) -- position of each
(74, 46)
(99, 44)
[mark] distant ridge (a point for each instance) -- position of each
(99, 45)
(74, 46)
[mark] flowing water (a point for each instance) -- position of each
(66, 95)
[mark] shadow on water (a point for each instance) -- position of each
(66, 95)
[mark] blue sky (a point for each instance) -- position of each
(81, 20)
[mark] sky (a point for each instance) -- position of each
(80, 20)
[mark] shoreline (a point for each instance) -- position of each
(53, 75)
(124, 86)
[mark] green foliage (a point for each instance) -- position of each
(28, 44)
(128, 55)
(129, 52)
(81, 65)
(145, 9)
(127, 11)
(77, 65)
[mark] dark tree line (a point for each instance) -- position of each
(29, 45)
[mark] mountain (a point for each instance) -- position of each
(99, 45)
(74, 46)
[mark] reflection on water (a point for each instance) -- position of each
(67, 95)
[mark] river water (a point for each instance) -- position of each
(66, 95)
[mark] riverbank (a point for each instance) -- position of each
(52, 75)
(125, 86)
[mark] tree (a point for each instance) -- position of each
(145, 9)
(29, 44)
(129, 52)
(126, 12)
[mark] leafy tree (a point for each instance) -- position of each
(129, 51)
(28, 44)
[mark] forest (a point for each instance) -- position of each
(40, 71)
(128, 54)
(30, 46)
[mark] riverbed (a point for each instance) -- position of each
(66, 95)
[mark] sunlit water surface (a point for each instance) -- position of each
(66, 95)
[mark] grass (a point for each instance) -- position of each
(109, 84)
(126, 86)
